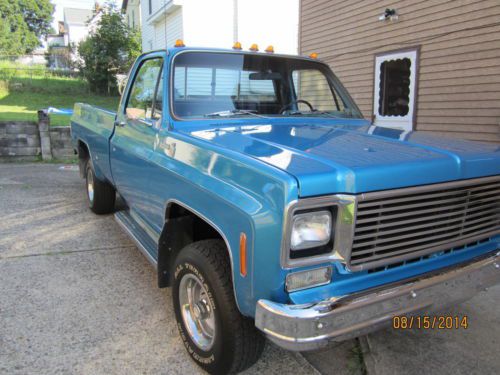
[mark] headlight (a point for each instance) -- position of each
(311, 229)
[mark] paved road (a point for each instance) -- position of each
(76, 296)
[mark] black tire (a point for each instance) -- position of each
(237, 344)
(102, 198)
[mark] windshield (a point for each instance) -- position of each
(209, 84)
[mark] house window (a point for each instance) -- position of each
(149, 6)
(394, 89)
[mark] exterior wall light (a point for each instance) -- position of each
(389, 14)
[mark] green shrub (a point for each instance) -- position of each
(108, 52)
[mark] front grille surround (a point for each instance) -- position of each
(392, 226)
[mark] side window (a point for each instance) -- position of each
(312, 86)
(394, 89)
(145, 98)
(158, 104)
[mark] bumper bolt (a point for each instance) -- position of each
(320, 325)
(413, 294)
(497, 266)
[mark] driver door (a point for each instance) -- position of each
(136, 128)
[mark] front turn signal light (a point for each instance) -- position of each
(308, 279)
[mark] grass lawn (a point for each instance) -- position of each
(21, 98)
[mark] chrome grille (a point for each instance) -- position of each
(392, 226)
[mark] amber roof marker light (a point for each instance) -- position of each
(270, 49)
(179, 43)
(313, 55)
(237, 45)
(254, 48)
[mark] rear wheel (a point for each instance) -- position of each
(217, 337)
(100, 194)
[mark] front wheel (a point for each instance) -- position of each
(217, 337)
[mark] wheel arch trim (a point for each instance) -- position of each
(168, 206)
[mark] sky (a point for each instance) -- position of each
(82, 4)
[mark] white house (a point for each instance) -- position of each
(220, 23)
(76, 25)
(131, 10)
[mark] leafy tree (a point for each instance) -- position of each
(108, 51)
(22, 24)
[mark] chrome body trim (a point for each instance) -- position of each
(454, 214)
(345, 225)
(313, 326)
(189, 208)
(140, 246)
(343, 231)
(241, 52)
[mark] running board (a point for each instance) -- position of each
(142, 239)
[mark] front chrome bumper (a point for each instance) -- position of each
(312, 326)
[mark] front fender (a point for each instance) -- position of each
(234, 194)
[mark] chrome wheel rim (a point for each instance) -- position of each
(90, 185)
(197, 311)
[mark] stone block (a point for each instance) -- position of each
(57, 144)
(19, 151)
(19, 127)
(43, 126)
(54, 136)
(33, 141)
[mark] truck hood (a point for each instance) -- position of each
(346, 157)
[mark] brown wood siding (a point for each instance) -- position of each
(459, 62)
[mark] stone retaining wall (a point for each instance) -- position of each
(19, 140)
(30, 140)
(60, 141)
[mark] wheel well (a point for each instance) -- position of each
(182, 227)
(83, 156)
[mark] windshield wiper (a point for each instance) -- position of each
(315, 112)
(234, 112)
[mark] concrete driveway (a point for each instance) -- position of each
(76, 296)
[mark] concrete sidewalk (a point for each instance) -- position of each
(475, 350)
(76, 296)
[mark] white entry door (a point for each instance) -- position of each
(394, 89)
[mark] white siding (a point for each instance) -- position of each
(168, 30)
(147, 29)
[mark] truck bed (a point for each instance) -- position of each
(94, 125)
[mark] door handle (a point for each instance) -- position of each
(120, 124)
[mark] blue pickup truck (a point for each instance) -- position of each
(274, 210)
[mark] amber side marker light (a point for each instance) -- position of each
(254, 47)
(313, 55)
(270, 49)
(237, 45)
(179, 43)
(243, 254)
